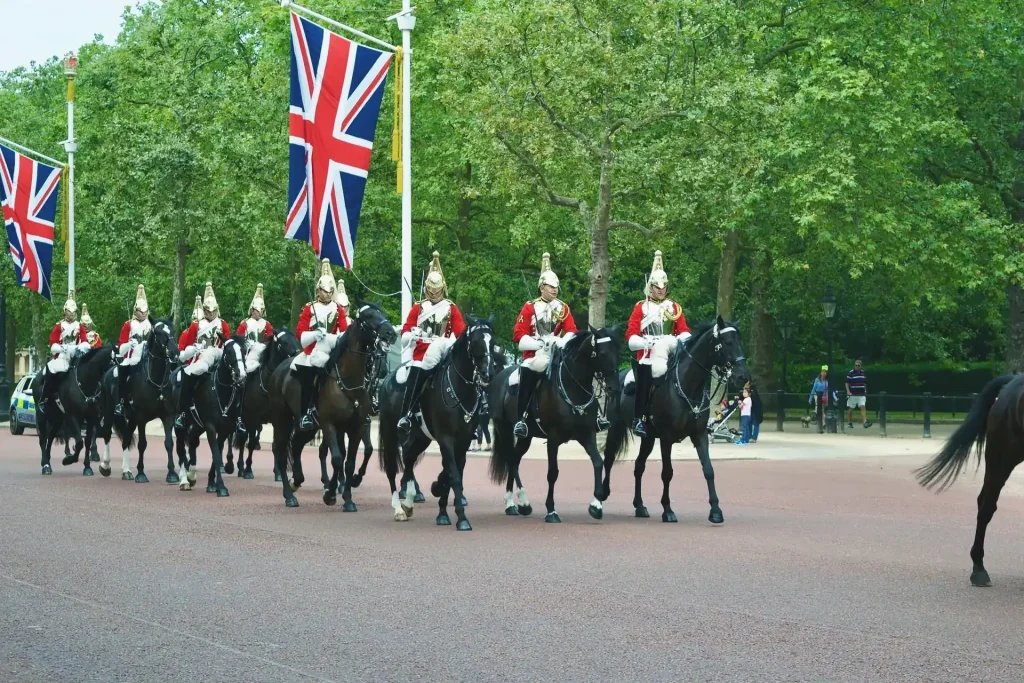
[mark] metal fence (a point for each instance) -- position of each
(883, 408)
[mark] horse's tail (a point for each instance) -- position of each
(240, 439)
(945, 467)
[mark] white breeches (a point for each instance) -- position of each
(206, 359)
(252, 357)
(59, 364)
(660, 353)
(539, 363)
(320, 355)
(435, 352)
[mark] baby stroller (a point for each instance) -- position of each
(719, 427)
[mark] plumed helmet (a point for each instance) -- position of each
(197, 309)
(257, 300)
(435, 283)
(340, 296)
(86, 318)
(70, 306)
(326, 282)
(210, 300)
(658, 278)
(547, 276)
(141, 305)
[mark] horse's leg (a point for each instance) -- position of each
(71, 426)
(589, 444)
(523, 506)
(997, 471)
(297, 478)
(181, 446)
(454, 464)
(141, 477)
(409, 451)
(280, 448)
(552, 516)
(351, 453)
(701, 444)
(324, 478)
(86, 445)
(106, 433)
(172, 477)
(251, 443)
(357, 478)
(440, 490)
(646, 446)
(42, 434)
(330, 443)
(666, 480)
(217, 449)
(126, 451)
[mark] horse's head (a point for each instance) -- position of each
(479, 339)
(728, 354)
(605, 352)
(286, 343)
(234, 359)
(161, 342)
(373, 325)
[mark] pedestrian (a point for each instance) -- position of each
(756, 412)
(482, 420)
(819, 397)
(746, 407)
(857, 394)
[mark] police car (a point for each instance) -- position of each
(23, 407)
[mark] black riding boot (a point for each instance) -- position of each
(413, 387)
(306, 377)
(51, 380)
(184, 398)
(641, 398)
(527, 383)
(124, 376)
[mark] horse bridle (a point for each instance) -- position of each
(166, 359)
(706, 401)
(99, 384)
(377, 348)
(474, 382)
(577, 408)
(236, 381)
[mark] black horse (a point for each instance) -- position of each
(343, 404)
(994, 423)
(680, 408)
(76, 406)
(150, 389)
(450, 401)
(564, 408)
(357, 478)
(214, 412)
(255, 407)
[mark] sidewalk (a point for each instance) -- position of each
(795, 443)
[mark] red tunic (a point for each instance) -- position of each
(55, 335)
(268, 330)
(526, 325)
(633, 328)
(306, 317)
(94, 339)
(456, 326)
(188, 338)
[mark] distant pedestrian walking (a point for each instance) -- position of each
(857, 394)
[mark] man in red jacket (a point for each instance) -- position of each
(656, 325)
(542, 324)
(130, 346)
(201, 347)
(67, 339)
(257, 332)
(91, 335)
(430, 329)
(321, 323)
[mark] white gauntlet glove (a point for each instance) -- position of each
(188, 352)
(57, 348)
(528, 343)
(638, 343)
(307, 338)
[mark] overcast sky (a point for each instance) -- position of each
(35, 30)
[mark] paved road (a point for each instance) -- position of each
(825, 570)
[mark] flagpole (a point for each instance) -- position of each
(70, 69)
(406, 21)
(337, 24)
(26, 150)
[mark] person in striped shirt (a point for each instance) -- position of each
(857, 394)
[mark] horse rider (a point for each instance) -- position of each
(321, 323)
(257, 331)
(130, 346)
(67, 340)
(91, 335)
(430, 329)
(656, 326)
(200, 348)
(341, 298)
(544, 323)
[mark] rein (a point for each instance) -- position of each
(449, 390)
(87, 397)
(713, 371)
(578, 408)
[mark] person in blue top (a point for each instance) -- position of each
(819, 392)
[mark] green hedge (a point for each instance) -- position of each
(950, 379)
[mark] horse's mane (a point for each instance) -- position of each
(463, 339)
(92, 353)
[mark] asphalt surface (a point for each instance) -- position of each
(825, 570)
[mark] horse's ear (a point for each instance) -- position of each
(490, 320)
(614, 331)
(720, 321)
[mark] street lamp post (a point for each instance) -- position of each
(70, 147)
(786, 328)
(828, 307)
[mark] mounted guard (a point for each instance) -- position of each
(67, 340)
(131, 345)
(430, 329)
(320, 324)
(542, 324)
(257, 331)
(200, 348)
(91, 335)
(341, 298)
(656, 326)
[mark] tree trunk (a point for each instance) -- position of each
(40, 336)
(600, 264)
(298, 293)
(181, 318)
(762, 329)
(1015, 328)
(727, 273)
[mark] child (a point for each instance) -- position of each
(746, 406)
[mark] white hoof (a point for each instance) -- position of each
(400, 516)
(191, 476)
(185, 486)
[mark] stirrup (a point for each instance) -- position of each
(240, 427)
(308, 422)
(602, 423)
(405, 424)
(521, 430)
(119, 409)
(179, 421)
(638, 428)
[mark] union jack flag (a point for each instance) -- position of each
(336, 91)
(28, 197)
